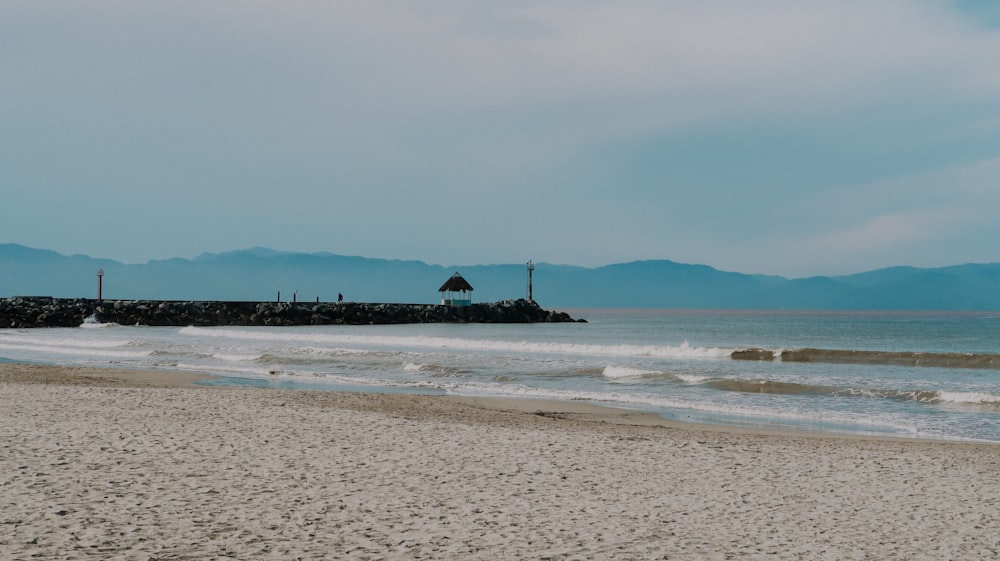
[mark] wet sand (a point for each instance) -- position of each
(116, 464)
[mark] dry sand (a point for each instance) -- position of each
(106, 464)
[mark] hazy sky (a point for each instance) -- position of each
(785, 137)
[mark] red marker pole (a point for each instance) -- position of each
(100, 283)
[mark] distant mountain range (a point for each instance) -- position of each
(258, 274)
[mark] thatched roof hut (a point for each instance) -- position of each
(459, 291)
(456, 283)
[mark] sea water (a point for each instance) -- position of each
(916, 374)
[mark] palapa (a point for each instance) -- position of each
(456, 283)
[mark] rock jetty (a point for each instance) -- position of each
(26, 311)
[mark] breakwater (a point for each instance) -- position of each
(26, 311)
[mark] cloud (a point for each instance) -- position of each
(695, 52)
(884, 233)
(694, 130)
(381, 68)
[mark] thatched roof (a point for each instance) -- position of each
(456, 284)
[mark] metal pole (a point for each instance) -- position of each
(100, 284)
(531, 268)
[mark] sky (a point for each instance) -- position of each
(787, 137)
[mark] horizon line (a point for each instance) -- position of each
(326, 253)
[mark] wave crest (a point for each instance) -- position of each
(894, 358)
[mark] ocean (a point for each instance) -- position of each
(932, 375)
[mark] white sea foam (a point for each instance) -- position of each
(60, 338)
(95, 325)
(73, 351)
(980, 398)
(625, 373)
(617, 372)
(236, 357)
(226, 370)
(682, 351)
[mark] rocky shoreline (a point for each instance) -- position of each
(39, 311)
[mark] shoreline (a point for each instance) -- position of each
(569, 411)
(32, 373)
(110, 464)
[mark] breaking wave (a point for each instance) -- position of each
(682, 351)
(895, 358)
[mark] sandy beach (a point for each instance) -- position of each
(114, 464)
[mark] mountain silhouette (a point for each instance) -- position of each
(259, 274)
